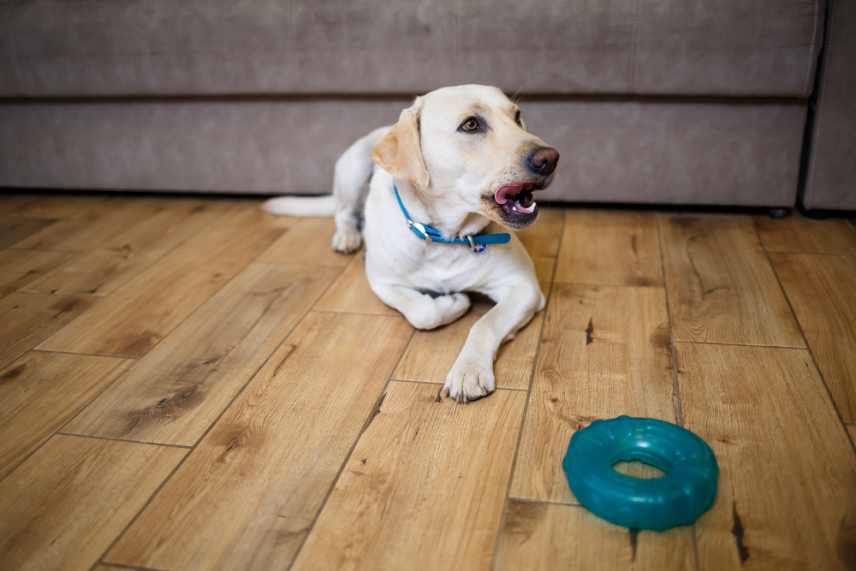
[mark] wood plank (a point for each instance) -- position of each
(605, 351)
(14, 228)
(786, 466)
(307, 242)
(138, 315)
(248, 493)
(431, 354)
(539, 536)
(175, 393)
(59, 205)
(542, 239)
(119, 258)
(721, 286)
(64, 506)
(609, 247)
(797, 234)
(352, 293)
(40, 392)
(19, 268)
(71, 234)
(28, 319)
(424, 488)
(822, 291)
(98, 272)
(94, 228)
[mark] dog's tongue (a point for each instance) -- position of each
(501, 194)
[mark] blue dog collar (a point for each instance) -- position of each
(476, 242)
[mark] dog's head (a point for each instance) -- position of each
(466, 147)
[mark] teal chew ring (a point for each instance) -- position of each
(685, 491)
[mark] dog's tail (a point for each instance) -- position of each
(324, 205)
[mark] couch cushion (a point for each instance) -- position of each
(690, 153)
(219, 47)
(831, 180)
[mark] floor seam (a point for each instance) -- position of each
(507, 497)
(366, 422)
(213, 294)
(127, 440)
(527, 500)
(64, 424)
(677, 401)
(99, 355)
(722, 344)
(396, 314)
(146, 504)
(205, 433)
(418, 382)
(190, 451)
(123, 566)
(808, 348)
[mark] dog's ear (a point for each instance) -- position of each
(399, 152)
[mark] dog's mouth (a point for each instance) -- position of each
(515, 204)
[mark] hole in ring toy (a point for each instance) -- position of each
(686, 490)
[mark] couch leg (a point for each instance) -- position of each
(779, 213)
(816, 214)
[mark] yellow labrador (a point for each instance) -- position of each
(456, 159)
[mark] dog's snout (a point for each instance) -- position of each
(542, 160)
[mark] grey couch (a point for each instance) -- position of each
(649, 101)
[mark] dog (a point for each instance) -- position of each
(458, 160)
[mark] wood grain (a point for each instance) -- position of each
(721, 286)
(58, 206)
(141, 313)
(797, 234)
(19, 268)
(851, 430)
(40, 392)
(351, 293)
(542, 239)
(604, 352)
(64, 506)
(73, 234)
(786, 466)
(407, 499)
(249, 492)
(822, 291)
(538, 536)
(431, 354)
(176, 391)
(306, 242)
(121, 256)
(606, 247)
(28, 319)
(13, 228)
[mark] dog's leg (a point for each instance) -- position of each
(471, 377)
(350, 184)
(422, 310)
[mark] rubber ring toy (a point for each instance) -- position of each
(685, 491)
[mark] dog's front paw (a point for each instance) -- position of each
(469, 380)
(347, 240)
(439, 311)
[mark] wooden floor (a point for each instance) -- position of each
(191, 384)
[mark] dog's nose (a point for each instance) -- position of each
(543, 160)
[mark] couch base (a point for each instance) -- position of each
(743, 153)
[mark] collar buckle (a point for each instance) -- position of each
(420, 228)
(476, 248)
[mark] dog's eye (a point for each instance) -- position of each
(517, 118)
(471, 125)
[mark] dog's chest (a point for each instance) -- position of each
(447, 268)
